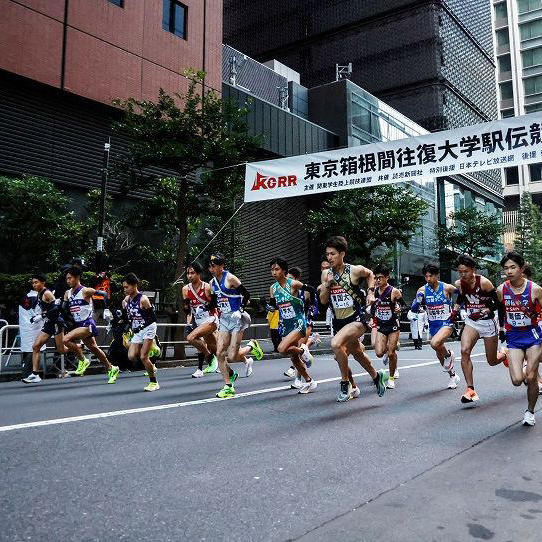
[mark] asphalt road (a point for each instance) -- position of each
(83, 460)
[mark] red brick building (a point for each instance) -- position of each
(62, 62)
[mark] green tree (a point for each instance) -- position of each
(369, 219)
(529, 235)
(471, 231)
(205, 133)
(36, 227)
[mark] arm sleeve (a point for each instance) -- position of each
(502, 313)
(494, 303)
(186, 306)
(241, 290)
(103, 294)
(213, 304)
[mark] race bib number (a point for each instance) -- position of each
(383, 313)
(438, 312)
(287, 312)
(517, 319)
(341, 300)
(224, 304)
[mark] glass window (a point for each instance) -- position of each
(529, 5)
(511, 175)
(530, 30)
(119, 3)
(361, 117)
(505, 113)
(501, 11)
(533, 85)
(502, 37)
(532, 108)
(505, 63)
(535, 172)
(532, 57)
(506, 91)
(174, 17)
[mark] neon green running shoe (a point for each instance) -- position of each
(113, 374)
(212, 367)
(233, 377)
(225, 392)
(255, 349)
(152, 386)
(82, 366)
(146, 373)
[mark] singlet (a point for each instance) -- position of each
(198, 299)
(290, 307)
(343, 304)
(228, 298)
(80, 308)
(439, 307)
(49, 309)
(521, 311)
(138, 316)
(384, 307)
(476, 298)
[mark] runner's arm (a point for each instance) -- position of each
(327, 280)
(360, 272)
(418, 302)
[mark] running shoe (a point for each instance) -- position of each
(198, 373)
(212, 367)
(82, 366)
(248, 367)
(316, 338)
(448, 362)
(396, 374)
(528, 418)
(32, 379)
(290, 373)
(355, 392)
(309, 387)
(146, 373)
(255, 349)
(453, 382)
(385, 359)
(226, 391)
(233, 378)
(113, 374)
(152, 386)
(307, 357)
(501, 356)
(391, 383)
(297, 384)
(345, 393)
(381, 382)
(470, 396)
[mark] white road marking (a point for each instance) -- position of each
(168, 406)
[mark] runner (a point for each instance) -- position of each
(202, 324)
(78, 299)
(386, 309)
(436, 297)
(53, 325)
(522, 300)
(230, 296)
(340, 284)
(479, 297)
(142, 319)
(284, 294)
(311, 310)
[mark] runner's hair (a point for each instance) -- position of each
(431, 268)
(382, 269)
(295, 272)
(466, 260)
(131, 278)
(514, 256)
(282, 263)
(338, 242)
(74, 271)
(42, 277)
(196, 266)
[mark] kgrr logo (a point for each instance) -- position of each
(264, 182)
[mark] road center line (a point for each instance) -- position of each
(168, 406)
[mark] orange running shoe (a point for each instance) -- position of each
(470, 396)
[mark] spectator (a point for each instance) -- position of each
(28, 331)
(273, 319)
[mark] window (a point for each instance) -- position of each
(511, 175)
(119, 3)
(533, 85)
(505, 113)
(533, 108)
(532, 57)
(502, 37)
(505, 64)
(506, 91)
(530, 30)
(529, 5)
(500, 11)
(535, 172)
(174, 18)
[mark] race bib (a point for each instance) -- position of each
(518, 319)
(340, 299)
(383, 313)
(438, 312)
(287, 312)
(224, 304)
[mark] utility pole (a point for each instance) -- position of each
(101, 217)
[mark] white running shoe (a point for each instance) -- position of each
(539, 388)
(309, 387)
(453, 382)
(297, 384)
(32, 379)
(290, 373)
(391, 384)
(448, 362)
(355, 392)
(528, 418)
(316, 339)
(306, 353)
(249, 370)
(385, 359)
(198, 373)
(396, 374)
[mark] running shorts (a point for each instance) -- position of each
(436, 325)
(337, 324)
(148, 332)
(89, 324)
(523, 339)
(485, 328)
(230, 324)
(53, 328)
(294, 324)
(389, 327)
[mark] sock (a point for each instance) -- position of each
(229, 384)
(201, 357)
(376, 380)
(209, 358)
(470, 388)
(230, 371)
(35, 372)
(152, 379)
(451, 373)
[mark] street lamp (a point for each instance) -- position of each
(101, 216)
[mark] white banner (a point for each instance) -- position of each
(491, 145)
